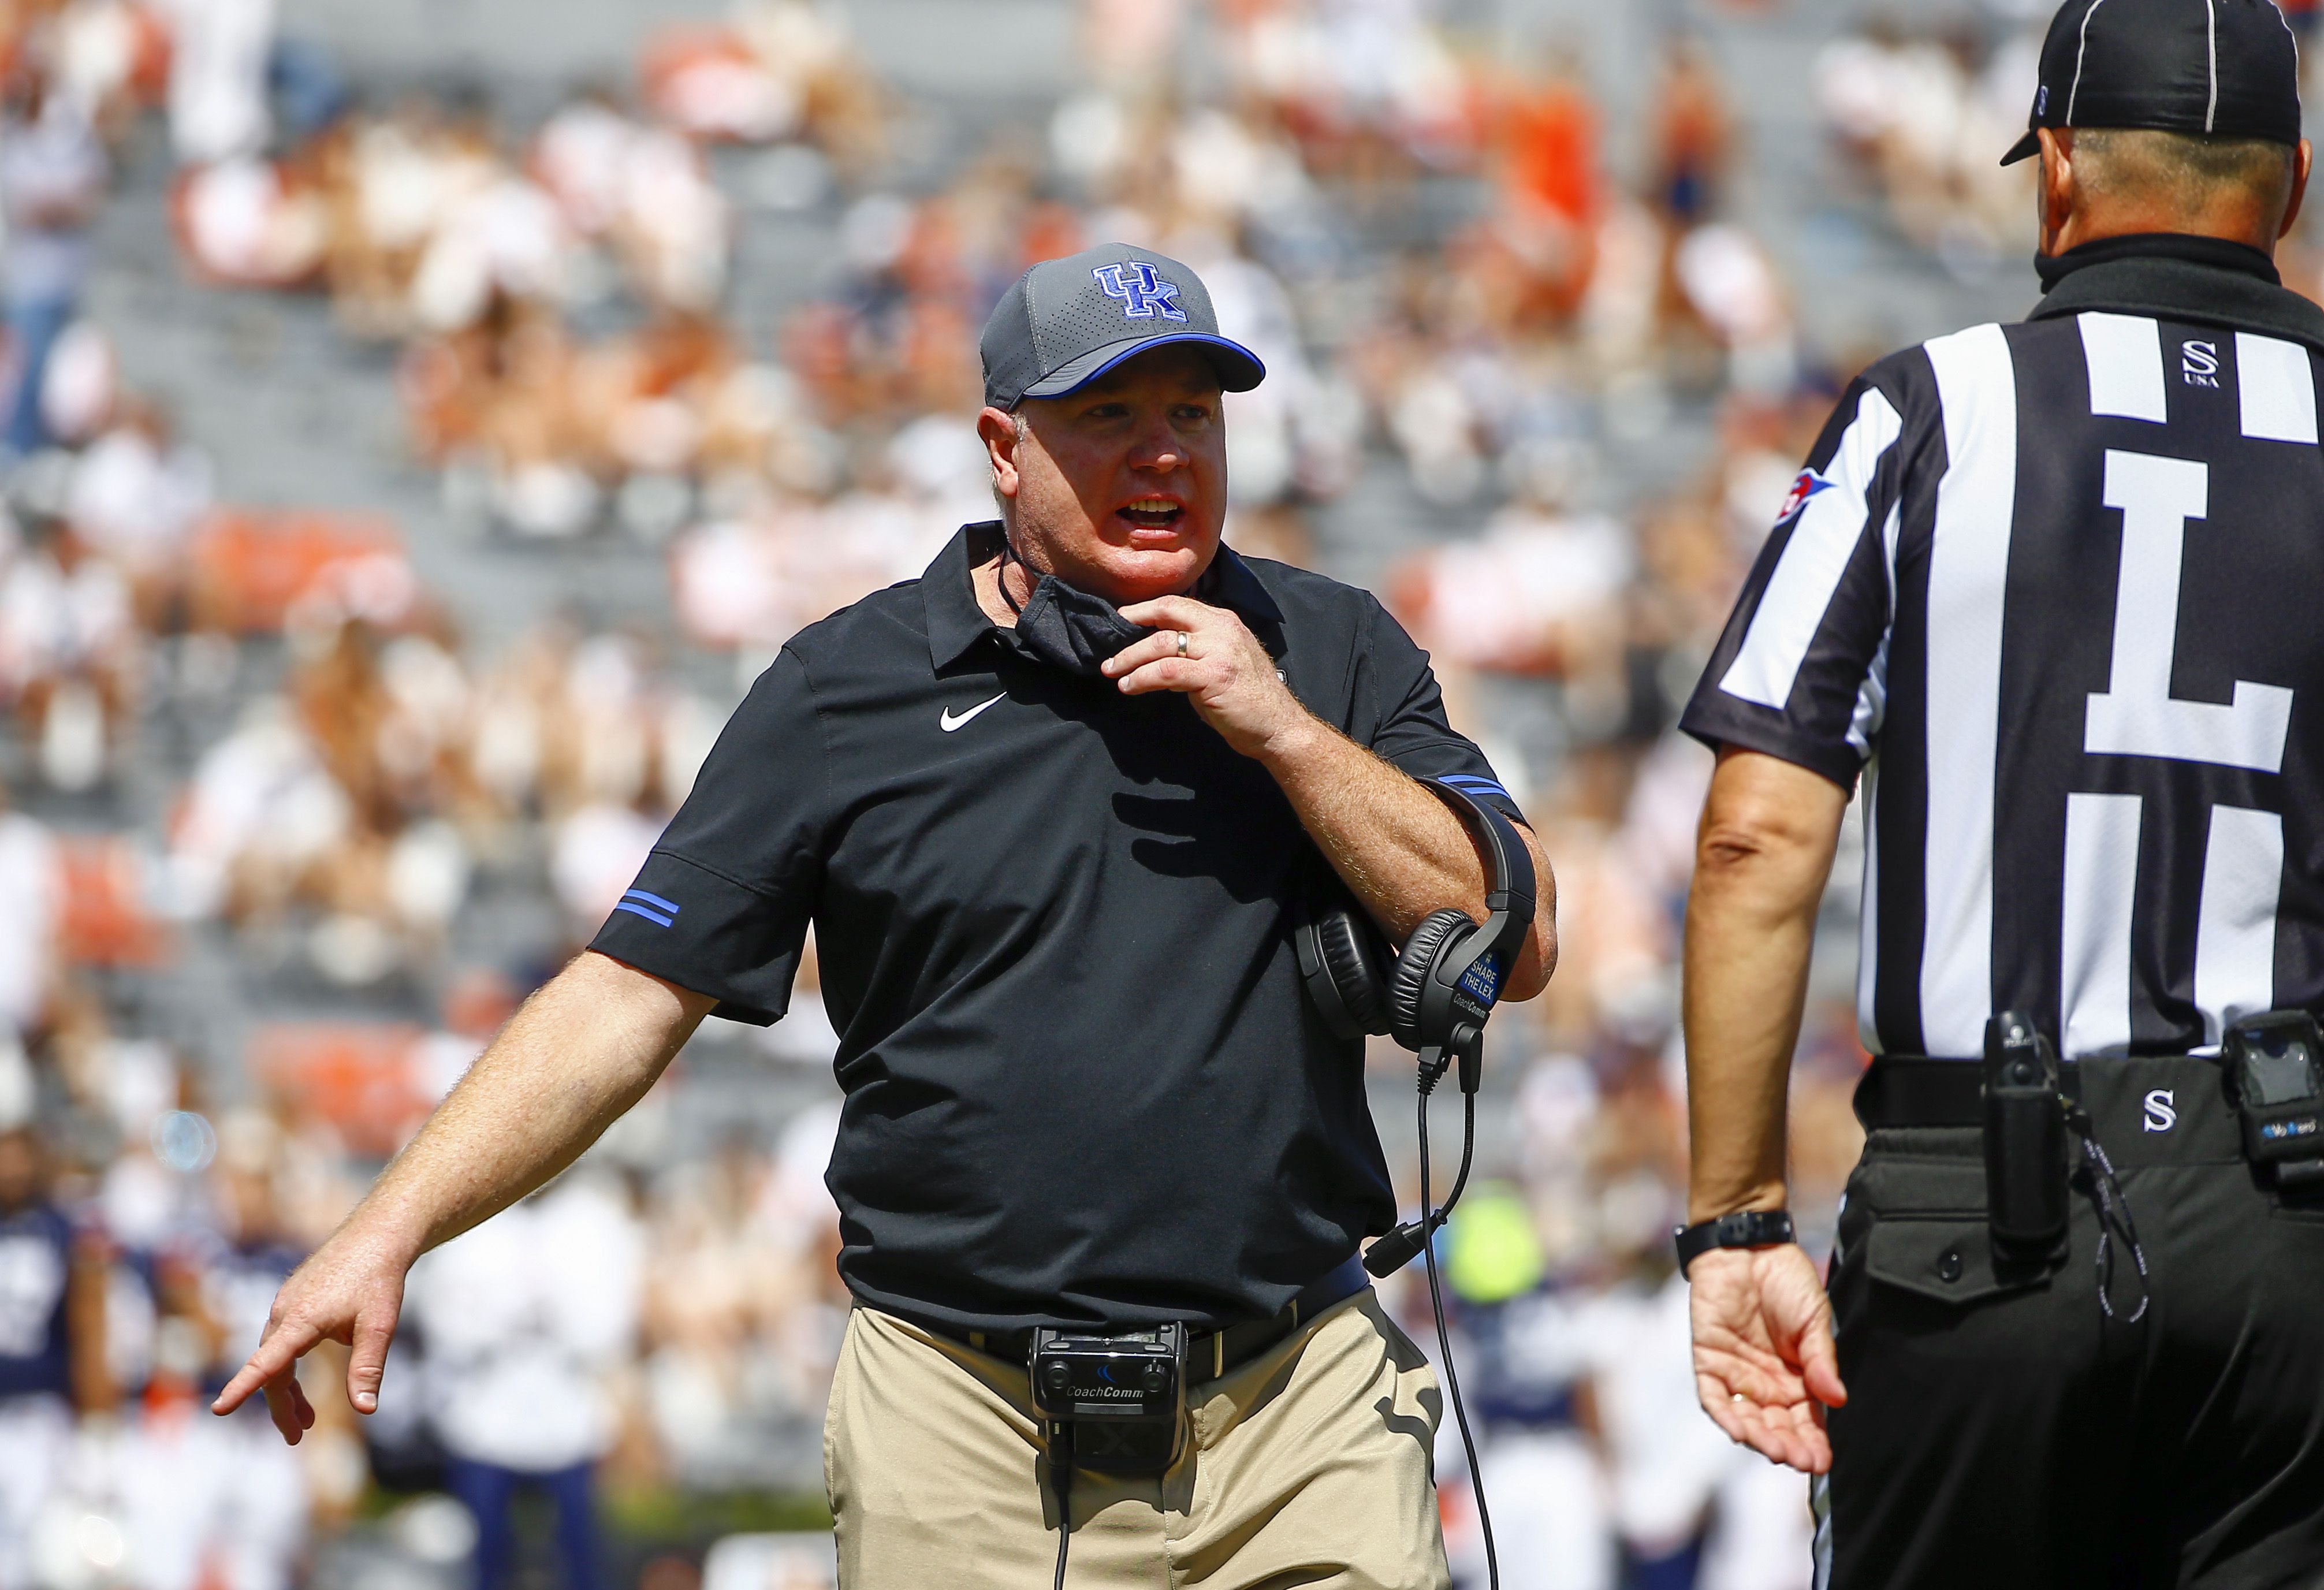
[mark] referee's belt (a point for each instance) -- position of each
(1913, 1090)
(1210, 1354)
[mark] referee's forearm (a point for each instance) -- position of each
(583, 1050)
(1762, 859)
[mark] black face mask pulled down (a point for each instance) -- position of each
(1067, 627)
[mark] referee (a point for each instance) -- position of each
(2048, 593)
(1053, 810)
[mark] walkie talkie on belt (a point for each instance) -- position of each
(1123, 1393)
(1111, 1402)
(2024, 1141)
(2275, 1063)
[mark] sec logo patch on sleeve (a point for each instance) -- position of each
(1804, 486)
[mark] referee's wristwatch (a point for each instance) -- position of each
(1745, 1228)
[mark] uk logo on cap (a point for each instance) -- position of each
(1143, 294)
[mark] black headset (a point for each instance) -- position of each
(1439, 993)
(1435, 999)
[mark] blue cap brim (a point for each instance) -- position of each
(1239, 368)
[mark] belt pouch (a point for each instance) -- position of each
(2273, 1061)
(2024, 1141)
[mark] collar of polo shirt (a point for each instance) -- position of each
(956, 622)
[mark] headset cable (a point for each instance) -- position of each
(1060, 1476)
(1429, 1222)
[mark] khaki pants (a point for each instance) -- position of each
(1309, 1465)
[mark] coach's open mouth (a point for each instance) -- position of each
(1153, 512)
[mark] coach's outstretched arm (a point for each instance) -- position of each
(582, 1051)
(1764, 1363)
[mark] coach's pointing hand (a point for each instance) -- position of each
(1764, 1362)
(1209, 655)
(349, 1291)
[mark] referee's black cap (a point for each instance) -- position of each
(2228, 66)
(1068, 321)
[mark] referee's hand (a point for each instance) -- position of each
(1764, 1362)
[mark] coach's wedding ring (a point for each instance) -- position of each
(1182, 641)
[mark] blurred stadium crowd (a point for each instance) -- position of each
(1476, 327)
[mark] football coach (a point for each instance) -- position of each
(1053, 810)
(2046, 593)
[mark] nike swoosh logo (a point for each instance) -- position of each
(948, 723)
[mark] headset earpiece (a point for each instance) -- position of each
(1341, 957)
(1408, 984)
(1447, 976)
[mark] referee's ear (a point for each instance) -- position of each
(2057, 193)
(2302, 158)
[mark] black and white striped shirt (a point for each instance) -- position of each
(2056, 591)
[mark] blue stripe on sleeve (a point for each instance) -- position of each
(654, 917)
(669, 905)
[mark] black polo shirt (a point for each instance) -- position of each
(1084, 1081)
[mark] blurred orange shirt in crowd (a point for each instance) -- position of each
(1550, 134)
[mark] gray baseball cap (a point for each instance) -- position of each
(1068, 321)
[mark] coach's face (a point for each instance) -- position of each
(1120, 488)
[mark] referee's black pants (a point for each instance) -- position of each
(2001, 1431)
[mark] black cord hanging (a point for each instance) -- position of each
(1429, 1222)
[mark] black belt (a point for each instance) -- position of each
(1913, 1090)
(1210, 1354)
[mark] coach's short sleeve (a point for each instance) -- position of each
(722, 904)
(1799, 672)
(1399, 714)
